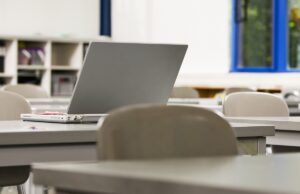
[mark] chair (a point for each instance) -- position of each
(27, 90)
(231, 90)
(184, 92)
(257, 104)
(254, 104)
(155, 132)
(12, 105)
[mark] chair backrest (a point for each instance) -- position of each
(184, 92)
(149, 132)
(254, 104)
(231, 90)
(27, 90)
(12, 105)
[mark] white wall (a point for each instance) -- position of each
(203, 24)
(50, 17)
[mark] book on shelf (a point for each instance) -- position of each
(31, 56)
(63, 84)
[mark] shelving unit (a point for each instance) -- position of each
(51, 62)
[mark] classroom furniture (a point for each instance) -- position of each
(12, 105)
(22, 143)
(294, 111)
(231, 90)
(50, 62)
(184, 92)
(227, 175)
(210, 91)
(60, 104)
(287, 129)
(254, 104)
(159, 131)
(27, 90)
(41, 142)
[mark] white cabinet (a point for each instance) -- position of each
(50, 62)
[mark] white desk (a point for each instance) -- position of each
(273, 174)
(22, 143)
(39, 105)
(287, 128)
(212, 104)
(294, 111)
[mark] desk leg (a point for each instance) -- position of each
(252, 145)
(262, 145)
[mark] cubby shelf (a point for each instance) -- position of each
(3, 75)
(31, 67)
(64, 68)
(43, 60)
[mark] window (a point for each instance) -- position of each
(294, 34)
(266, 36)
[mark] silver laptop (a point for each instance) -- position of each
(119, 74)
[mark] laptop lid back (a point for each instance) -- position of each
(119, 74)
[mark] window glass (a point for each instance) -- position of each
(294, 33)
(254, 18)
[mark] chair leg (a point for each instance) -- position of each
(21, 189)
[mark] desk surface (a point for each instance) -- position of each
(280, 123)
(227, 175)
(22, 143)
(24, 133)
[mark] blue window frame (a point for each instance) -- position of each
(105, 17)
(277, 60)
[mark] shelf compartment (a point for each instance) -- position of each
(31, 67)
(30, 77)
(63, 83)
(66, 55)
(31, 53)
(4, 75)
(4, 48)
(64, 68)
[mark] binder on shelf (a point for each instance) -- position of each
(31, 56)
(63, 84)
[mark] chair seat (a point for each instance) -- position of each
(13, 175)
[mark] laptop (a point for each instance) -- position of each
(119, 74)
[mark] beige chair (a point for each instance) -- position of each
(184, 92)
(231, 90)
(27, 90)
(254, 104)
(153, 132)
(12, 105)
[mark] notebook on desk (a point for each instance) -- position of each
(119, 74)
